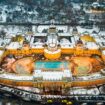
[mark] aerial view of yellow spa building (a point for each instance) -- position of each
(53, 64)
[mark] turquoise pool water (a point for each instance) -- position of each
(51, 65)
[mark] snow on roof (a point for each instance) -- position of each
(92, 45)
(1, 52)
(16, 77)
(38, 47)
(102, 33)
(64, 41)
(64, 34)
(97, 39)
(52, 75)
(63, 27)
(82, 30)
(52, 52)
(103, 52)
(40, 34)
(13, 45)
(67, 46)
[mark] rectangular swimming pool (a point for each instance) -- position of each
(51, 65)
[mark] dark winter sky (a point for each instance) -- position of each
(44, 0)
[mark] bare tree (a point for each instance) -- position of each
(2, 34)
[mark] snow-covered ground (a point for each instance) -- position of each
(92, 91)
